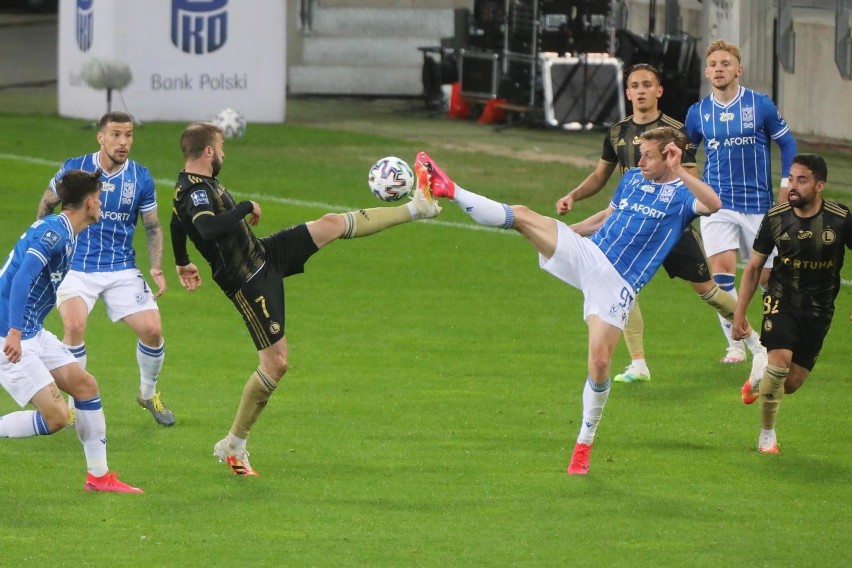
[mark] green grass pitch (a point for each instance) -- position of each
(433, 396)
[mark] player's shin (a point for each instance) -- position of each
(771, 393)
(256, 393)
(90, 424)
(594, 399)
(365, 222)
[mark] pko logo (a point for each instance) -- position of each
(85, 24)
(199, 26)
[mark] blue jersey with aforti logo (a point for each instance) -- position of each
(648, 220)
(108, 245)
(32, 272)
(737, 140)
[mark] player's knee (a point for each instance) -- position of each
(599, 366)
(276, 368)
(82, 386)
(74, 329)
(151, 335)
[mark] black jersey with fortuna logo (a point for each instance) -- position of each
(806, 274)
(236, 255)
(621, 144)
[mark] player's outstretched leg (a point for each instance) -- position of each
(481, 209)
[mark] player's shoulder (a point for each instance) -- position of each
(836, 208)
(627, 120)
(189, 183)
(666, 120)
(779, 209)
(50, 231)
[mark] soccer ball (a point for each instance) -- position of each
(390, 179)
(232, 123)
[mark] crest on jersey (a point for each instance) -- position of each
(199, 26)
(199, 198)
(828, 236)
(50, 238)
(128, 190)
(666, 193)
(85, 27)
(747, 114)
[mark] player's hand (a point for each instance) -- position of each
(12, 347)
(565, 204)
(672, 154)
(159, 280)
(189, 277)
(255, 213)
(740, 328)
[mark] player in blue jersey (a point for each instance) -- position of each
(629, 241)
(736, 126)
(35, 365)
(686, 260)
(105, 262)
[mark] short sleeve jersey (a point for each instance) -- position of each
(108, 244)
(50, 241)
(806, 275)
(621, 144)
(647, 221)
(737, 141)
(237, 255)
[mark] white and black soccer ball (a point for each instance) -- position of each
(232, 123)
(391, 179)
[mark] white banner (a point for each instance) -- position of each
(189, 58)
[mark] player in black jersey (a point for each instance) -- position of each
(810, 234)
(251, 270)
(687, 259)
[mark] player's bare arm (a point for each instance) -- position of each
(748, 285)
(589, 187)
(47, 204)
(154, 238)
(592, 223)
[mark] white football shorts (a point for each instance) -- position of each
(731, 230)
(39, 355)
(124, 292)
(580, 263)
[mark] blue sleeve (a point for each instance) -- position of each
(777, 129)
(148, 201)
(787, 143)
(692, 125)
(58, 176)
(22, 284)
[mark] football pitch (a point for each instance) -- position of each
(434, 391)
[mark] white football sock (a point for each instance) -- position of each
(594, 399)
(150, 361)
(90, 424)
(483, 210)
(23, 424)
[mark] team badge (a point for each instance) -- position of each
(274, 328)
(666, 193)
(199, 26)
(828, 236)
(50, 238)
(128, 190)
(85, 26)
(140, 298)
(767, 325)
(199, 198)
(747, 114)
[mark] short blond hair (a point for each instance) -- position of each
(722, 45)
